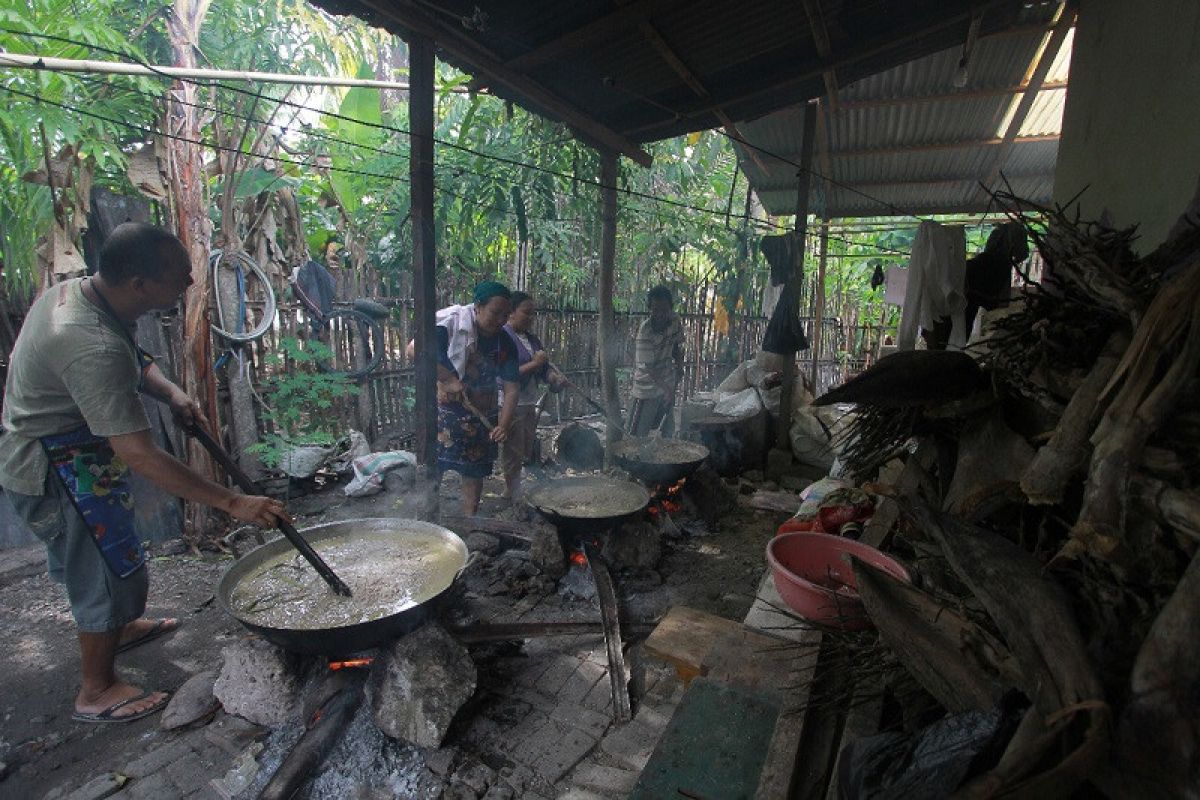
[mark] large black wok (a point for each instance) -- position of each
(349, 638)
(660, 461)
(589, 504)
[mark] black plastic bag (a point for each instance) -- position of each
(930, 763)
(785, 334)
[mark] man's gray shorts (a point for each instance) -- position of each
(100, 601)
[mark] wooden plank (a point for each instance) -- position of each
(684, 637)
(478, 632)
(769, 614)
(750, 660)
(866, 711)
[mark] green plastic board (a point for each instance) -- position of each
(714, 746)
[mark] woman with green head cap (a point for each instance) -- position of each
(474, 354)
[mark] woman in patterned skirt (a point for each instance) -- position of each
(474, 355)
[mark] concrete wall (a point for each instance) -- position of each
(1131, 127)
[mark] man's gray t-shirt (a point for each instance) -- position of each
(71, 366)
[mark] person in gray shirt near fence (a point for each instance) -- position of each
(74, 428)
(658, 366)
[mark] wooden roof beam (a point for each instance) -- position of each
(408, 14)
(820, 35)
(623, 18)
(689, 78)
(1040, 67)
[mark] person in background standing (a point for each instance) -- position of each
(534, 368)
(658, 366)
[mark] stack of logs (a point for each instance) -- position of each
(1054, 518)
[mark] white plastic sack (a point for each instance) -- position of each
(304, 461)
(739, 405)
(734, 382)
(370, 469)
(357, 448)
(810, 443)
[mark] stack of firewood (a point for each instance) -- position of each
(1056, 522)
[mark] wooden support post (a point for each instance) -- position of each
(420, 170)
(803, 182)
(609, 347)
(819, 316)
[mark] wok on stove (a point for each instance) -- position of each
(589, 504)
(658, 461)
(448, 558)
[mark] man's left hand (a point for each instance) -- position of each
(499, 433)
(186, 411)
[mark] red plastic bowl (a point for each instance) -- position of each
(815, 579)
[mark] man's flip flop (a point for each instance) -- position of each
(108, 714)
(160, 628)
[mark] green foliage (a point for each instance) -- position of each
(25, 209)
(299, 398)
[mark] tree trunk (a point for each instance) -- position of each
(186, 170)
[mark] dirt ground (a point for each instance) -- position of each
(42, 749)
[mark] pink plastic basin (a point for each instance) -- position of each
(814, 577)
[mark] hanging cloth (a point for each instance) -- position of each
(935, 290)
(459, 322)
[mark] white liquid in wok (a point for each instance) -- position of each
(387, 573)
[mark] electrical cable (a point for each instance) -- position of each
(760, 224)
(390, 128)
(242, 260)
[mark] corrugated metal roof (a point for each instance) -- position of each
(598, 59)
(906, 140)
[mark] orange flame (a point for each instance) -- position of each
(352, 663)
(578, 558)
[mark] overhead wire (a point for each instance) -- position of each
(629, 192)
(311, 131)
(390, 128)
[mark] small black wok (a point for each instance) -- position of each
(587, 504)
(348, 638)
(660, 461)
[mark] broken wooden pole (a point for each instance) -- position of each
(420, 170)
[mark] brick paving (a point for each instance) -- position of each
(542, 720)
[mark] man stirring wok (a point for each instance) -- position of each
(74, 427)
